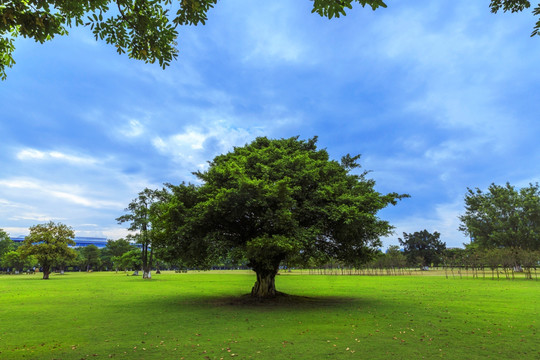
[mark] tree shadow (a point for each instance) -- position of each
(280, 302)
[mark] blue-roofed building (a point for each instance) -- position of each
(80, 241)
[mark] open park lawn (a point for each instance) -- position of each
(204, 315)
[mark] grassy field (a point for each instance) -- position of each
(204, 315)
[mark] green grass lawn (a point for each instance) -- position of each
(204, 315)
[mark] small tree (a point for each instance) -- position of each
(493, 259)
(49, 243)
(140, 218)
(90, 255)
(115, 248)
(129, 260)
(423, 248)
(395, 258)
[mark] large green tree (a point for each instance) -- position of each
(503, 216)
(273, 201)
(49, 243)
(144, 29)
(423, 248)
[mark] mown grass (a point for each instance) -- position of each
(206, 316)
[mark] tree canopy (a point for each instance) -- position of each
(129, 260)
(49, 243)
(272, 201)
(503, 217)
(15, 260)
(423, 248)
(145, 30)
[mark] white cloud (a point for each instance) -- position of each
(270, 44)
(271, 35)
(30, 154)
(34, 154)
(71, 193)
(192, 139)
(16, 231)
(452, 150)
(133, 128)
(35, 217)
(196, 145)
(115, 233)
(6, 203)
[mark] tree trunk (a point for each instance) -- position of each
(46, 272)
(147, 269)
(265, 286)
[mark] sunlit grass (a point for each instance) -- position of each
(205, 315)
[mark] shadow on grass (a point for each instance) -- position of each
(39, 276)
(282, 302)
(280, 299)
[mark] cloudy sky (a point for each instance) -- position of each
(436, 96)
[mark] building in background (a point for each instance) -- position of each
(80, 241)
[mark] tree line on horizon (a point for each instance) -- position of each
(60, 255)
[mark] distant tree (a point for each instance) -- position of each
(49, 243)
(129, 260)
(6, 244)
(423, 248)
(119, 247)
(493, 259)
(274, 202)
(395, 258)
(139, 216)
(115, 248)
(91, 258)
(503, 217)
(15, 260)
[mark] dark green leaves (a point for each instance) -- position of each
(336, 8)
(143, 29)
(509, 5)
(516, 6)
(503, 216)
(275, 200)
(423, 248)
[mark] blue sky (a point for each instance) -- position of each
(436, 97)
